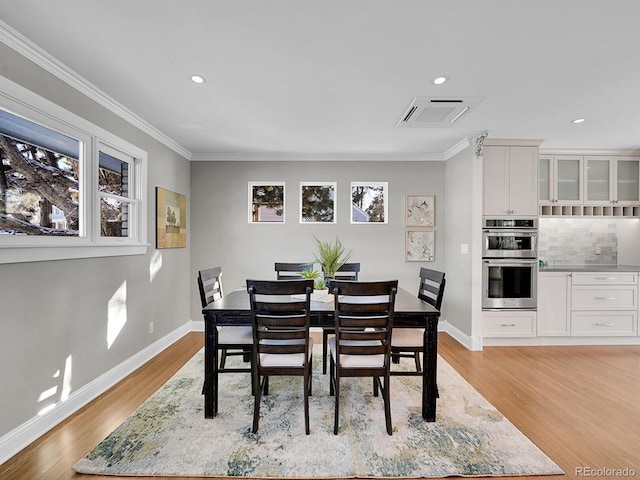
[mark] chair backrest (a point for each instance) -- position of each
(210, 285)
(288, 271)
(348, 271)
(363, 312)
(280, 311)
(431, 288)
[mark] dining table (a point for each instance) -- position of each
(409, 312)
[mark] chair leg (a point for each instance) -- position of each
(256, 401)
(336, 414)
(307, 388)
(376, 380)
(417, 358)
(325, 340)
(331, 376)
(223, 357)
(387, 404)
(265, 385)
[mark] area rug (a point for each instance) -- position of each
(169, 436)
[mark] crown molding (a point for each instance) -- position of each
(37, 55)
(513, 142)
(590, 151)
(457, 148)
(315, 157)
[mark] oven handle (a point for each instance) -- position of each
(511, 262)
(509, 231)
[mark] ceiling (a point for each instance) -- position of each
(332, 78)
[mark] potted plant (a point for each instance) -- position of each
(318, 280)
(331, 256)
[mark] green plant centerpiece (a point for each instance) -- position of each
(331, 256)
(318, 280)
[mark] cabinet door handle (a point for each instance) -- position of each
(507, 324)
(605, 298)
(608, 324)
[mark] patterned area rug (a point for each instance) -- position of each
(168, 434)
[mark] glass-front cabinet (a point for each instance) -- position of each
(612, 180)
(560, 179)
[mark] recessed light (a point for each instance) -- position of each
(578, 120)
(439, 80)
(197, 79)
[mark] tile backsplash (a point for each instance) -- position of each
(575, 241)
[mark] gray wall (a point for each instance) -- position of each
(221, 234)
(53, 315)
(459, 187)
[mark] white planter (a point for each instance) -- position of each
(322, 296)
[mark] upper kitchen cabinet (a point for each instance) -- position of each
(510, 180)
(589, 185)
(612, 180)
(560, 179)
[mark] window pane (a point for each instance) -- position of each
(39, 187)
(114, 218)
(113, 176)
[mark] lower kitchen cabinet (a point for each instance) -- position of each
(573, 307)
(604, 324)
(604, 304)
(554, 304)
(509, 323)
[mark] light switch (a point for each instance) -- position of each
(464, 249)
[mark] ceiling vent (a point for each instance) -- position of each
(429, 112)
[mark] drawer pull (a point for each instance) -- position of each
(605, 278)
(507, 324)
(607, 324)
(605, 298)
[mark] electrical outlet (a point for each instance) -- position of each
(150, 327)
(598, 250)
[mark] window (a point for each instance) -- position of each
(65, 182)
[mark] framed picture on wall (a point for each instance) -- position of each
(266, 202)
(420, 211)
(420, 246)
(318, 202)
(369, 202)
(171, 219)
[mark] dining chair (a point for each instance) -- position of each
(288, 271)
(232, 340)
(408, 342)
(280, 312)
(361, 346)
(348, 271)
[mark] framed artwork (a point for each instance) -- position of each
(369, 202)
(171, 219)
(266, 202)
(420, 246)
(317, 202)
(420, 211)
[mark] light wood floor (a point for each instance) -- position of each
(580, 405)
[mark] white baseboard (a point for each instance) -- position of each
(23, 435)
(472, 343)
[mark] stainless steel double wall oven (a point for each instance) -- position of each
(509, 263)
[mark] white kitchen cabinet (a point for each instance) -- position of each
(612, 180)
(554, 304)
(560, 179)
(509, 323)
(510, 180)
(604, 304)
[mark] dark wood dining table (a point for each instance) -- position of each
(409, 312)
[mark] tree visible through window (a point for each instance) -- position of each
(39, 179)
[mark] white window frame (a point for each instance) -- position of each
(14, 249)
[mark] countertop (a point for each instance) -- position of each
(590, 268)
